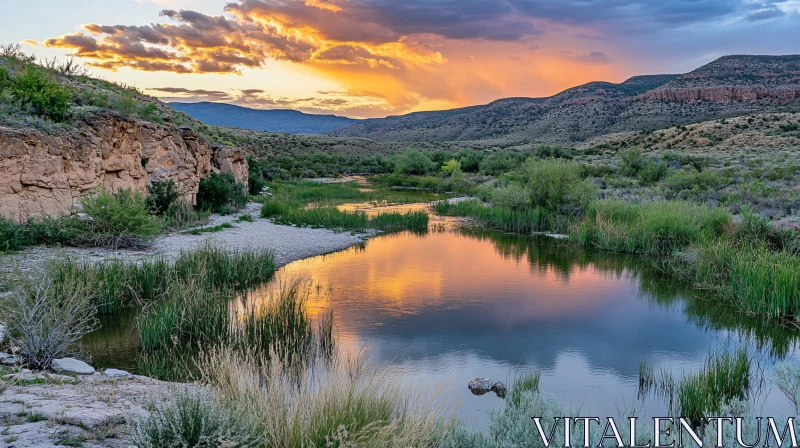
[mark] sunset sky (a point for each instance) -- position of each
(372, 58)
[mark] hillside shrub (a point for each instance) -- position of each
(161, 196)
(35, 88)
(501, 162)
(451, 167)
(219, 192)
(653, 173)
(470, 160)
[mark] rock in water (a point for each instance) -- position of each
(499, 388)
(72, 365)
(115, 373)
(480, 386)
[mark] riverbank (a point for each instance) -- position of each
(42, 409)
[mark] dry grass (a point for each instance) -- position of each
(350, 403)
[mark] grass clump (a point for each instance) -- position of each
(333, 218)
(350, 404)
(724, 377)
(501, 218)
(654, 228)
(213, 229)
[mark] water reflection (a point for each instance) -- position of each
(446, 306)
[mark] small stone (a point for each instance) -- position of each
(72, 365)
(12, 361)
(116, 373)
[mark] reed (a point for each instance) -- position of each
(503, 218)
(654, 228)
(333, 218)
(724, 377)
(758, 279)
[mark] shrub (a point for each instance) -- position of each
(13, 236)
(556, 183)
(120, 215)
(500, 162)
(255, 176)
(414, 162)
(37, 89)
(5, 79)
(553, 151)
(192, 419)
(161, 196)
(451, 167)
(653, 172)
(470, 160)
(514, 197)
(220, 190)
(632, 161)
(787, 378)
(181, 214)
(692, 180)
(47, 319)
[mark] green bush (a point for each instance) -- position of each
(161, 196)
(695, 181)
(513, 196)
(255, 176)
(470, 160)
(653, 172)
(553, 151)
(414, 162)
(5, 79)
(632, 161)
(37, 89)
(556, 183)
(451, 167)
(501, 162)
(121, 214)
(219, 192)
(13, 236)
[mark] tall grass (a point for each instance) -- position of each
(349, 404)
(503, 218)
(333, 218)
(724, 377)
(654, 228)
(758, 279)
(118, 283)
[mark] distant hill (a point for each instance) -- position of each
(730, 86)
(279, 120)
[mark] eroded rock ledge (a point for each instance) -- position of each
(45, 175)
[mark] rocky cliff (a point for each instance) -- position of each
(46, 174)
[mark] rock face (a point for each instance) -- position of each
(46, 175)
(72, 365)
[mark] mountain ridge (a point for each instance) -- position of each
(270, 120)
(727, 87)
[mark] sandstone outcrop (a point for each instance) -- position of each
(45, 175)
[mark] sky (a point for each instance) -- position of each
(373, 58)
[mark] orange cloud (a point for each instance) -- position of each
(389, 57)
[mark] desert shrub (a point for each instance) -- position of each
(451, 167)
(192, 419)
(5, 79)
(556, 183)
(255, 176)
(182, 214)
(501, 162)
(36, 88)
(13, 236)
(694, 181)
(470, 160)
(632, 161)
(652, 173)
(553, 151)
(414, 162)
(220, 191)
(122, 214)
(47, 319)
(161, 196)
(513, 196)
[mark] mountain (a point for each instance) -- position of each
(278, 120)
(727, 87)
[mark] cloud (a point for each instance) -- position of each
(593, 57)
(765, 14)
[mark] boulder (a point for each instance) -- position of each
(116, 373)
(72, 365)
(8, 360)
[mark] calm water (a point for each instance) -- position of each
(447, 306)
